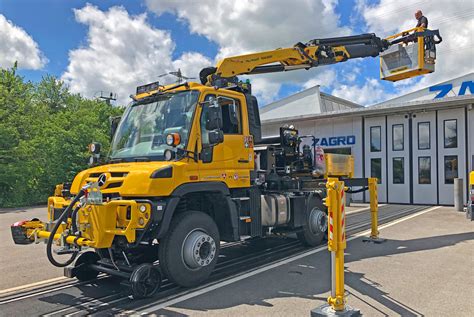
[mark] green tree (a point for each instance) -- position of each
(44, 133)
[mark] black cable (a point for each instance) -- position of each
(355, 191)
(49, 245)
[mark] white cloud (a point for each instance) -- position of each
(247, 26)
(18, 46)
(455, 21)
(123, 51)
(326, 77)
(368, 93)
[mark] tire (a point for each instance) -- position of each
(82, 271)
(189, 251)
(315, 228)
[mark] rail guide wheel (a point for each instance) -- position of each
(145, 280)
(82, 270)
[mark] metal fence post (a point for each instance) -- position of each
(458, 194)
(336, 245)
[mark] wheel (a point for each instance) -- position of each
(316, 225)
(189, 252)
(145, 281)
(81, 268)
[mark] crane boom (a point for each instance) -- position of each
(314, 53)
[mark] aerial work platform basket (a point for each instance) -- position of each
(411, 53)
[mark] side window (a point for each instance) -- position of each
(424, 170)
(397, 137)
(376, 169)
(375, 139)
(231, 124)
(424, 142)
(202, 123)
(398, 170)
(450, 134)
(450, 168)
(231, 117)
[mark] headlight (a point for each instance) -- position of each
(168, 155)
(173, 139)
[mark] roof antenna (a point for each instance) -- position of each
(177, 74)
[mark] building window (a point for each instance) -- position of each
(450, 134)
(376, 169)
(450, 168)
(424, 140)
(375, 139)
(398, 170)
(397, 137)
(424, 170)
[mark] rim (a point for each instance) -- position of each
(148, 281)
(317, 221)
(199, 249)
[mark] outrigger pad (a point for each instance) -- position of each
(19, 233)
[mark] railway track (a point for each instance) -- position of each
(102, 295)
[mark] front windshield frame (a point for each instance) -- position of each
(153, 102)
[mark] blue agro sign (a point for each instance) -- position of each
(446, 88)
(335, 141)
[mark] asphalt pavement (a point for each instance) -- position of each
(424, 268)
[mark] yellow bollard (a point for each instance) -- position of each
(374, 210)
(336, 245)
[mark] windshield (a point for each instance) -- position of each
(144, 126)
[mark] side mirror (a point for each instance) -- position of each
(114, 121)
(216, 136)
(214, 116)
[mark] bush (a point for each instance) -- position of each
(44, 133)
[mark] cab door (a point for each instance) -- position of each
(231, 160)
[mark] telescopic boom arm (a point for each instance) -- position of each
(314, 53)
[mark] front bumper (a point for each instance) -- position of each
(97, 225)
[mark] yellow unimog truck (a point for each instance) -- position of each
(188, 168)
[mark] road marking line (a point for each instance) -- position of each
(147, 311)
(22, 287)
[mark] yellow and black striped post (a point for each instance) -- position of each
(336, 245)
(336, 242)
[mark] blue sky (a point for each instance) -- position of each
(52, 25)
(57, 30)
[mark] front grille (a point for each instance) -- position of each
(114, 181)
(114, 185)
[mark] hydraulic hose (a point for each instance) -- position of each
(74, 217)
(49, 245)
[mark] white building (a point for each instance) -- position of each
(415, 144)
